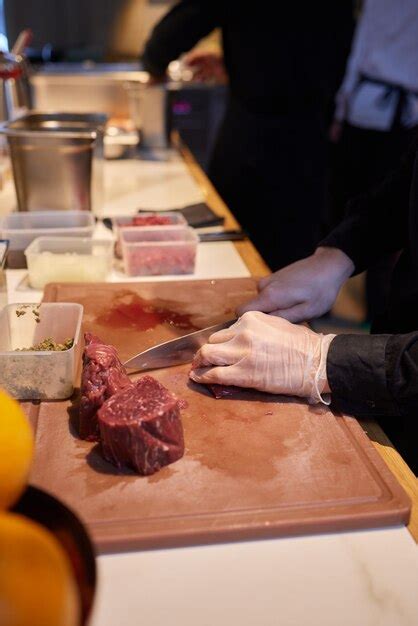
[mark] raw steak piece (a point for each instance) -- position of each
(140, 427)
(103, 375)
(224, 391)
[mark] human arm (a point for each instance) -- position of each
(179, 30)
(367, 375)
(374, 375)
(376, 224)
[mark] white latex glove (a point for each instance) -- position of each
(266, 353)
(305, 289)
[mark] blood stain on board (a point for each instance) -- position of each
(129, 311)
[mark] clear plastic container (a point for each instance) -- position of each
(173, 217)
(22, 228)
(68, 259)
(43, 375)
(175, 229)
(154, 255)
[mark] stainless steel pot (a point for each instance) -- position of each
(57, 160)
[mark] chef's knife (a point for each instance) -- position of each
(175, 351)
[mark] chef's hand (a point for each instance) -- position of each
(266, 353)
(305, 289)
(207, 66)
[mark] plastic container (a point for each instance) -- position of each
(153, 254)
(68, 259)
(22, 228)
(32, 375)
(175, 229)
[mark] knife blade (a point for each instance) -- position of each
(175, 351)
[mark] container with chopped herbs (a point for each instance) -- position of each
(48, 344)
(39, 349)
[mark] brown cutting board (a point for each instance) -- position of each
(255, 466)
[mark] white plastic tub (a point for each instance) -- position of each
(22, 228)
(44, 375)
(153, 254)
(68, 259)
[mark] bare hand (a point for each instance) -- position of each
(207, 66)
(305, 289)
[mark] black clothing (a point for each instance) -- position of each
(382, 222)
(378, 375)
(271, 173)
(269, 162)
(361, 160)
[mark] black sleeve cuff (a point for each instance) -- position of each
(356, 371)
(342, 237)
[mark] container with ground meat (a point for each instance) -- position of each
(39, 346)
(158, 253)
(156, 225)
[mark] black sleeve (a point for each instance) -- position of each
(376, 222)
(183, 26)
(374, 375)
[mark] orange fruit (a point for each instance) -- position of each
(16, 450)
(37, 587)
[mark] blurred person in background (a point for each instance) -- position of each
(376, 114)
(283, 64)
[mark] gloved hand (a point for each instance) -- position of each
(305, 289)
(266, 353)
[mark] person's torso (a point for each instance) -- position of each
(287, 56)
(402, 311)
(389, 42)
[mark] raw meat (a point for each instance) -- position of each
(224, 391)
(152, 220)
(159, 258)
(140, 427)
(103, 375)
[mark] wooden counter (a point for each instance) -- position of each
(258, 267)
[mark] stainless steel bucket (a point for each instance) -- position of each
(57, 160)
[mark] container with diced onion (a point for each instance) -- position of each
(68, 259)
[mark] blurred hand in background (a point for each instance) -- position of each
(207, 66)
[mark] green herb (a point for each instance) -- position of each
(35, 310)
(49, 345)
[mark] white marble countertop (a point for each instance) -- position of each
(367, 578)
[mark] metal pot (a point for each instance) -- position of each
(57, 160)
